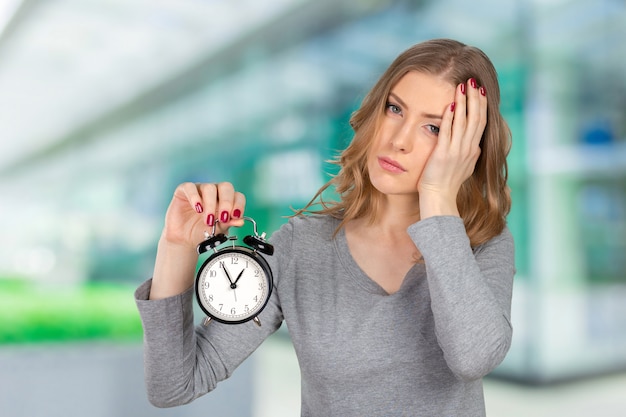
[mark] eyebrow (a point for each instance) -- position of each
(403, 104)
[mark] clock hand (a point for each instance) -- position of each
(232, 284)
(239, 276)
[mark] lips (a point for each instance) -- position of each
(390, 165)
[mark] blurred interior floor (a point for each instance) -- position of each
(279, 395)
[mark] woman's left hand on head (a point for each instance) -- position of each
(454, 158)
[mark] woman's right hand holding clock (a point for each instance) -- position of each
(194, 210)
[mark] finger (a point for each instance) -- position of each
(188, 191)
(475, 116)
(239, 206)
(445, 129)
(483, 114)
(225, 201)
(460, 119)
(208, 193)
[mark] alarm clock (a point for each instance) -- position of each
(234, 284)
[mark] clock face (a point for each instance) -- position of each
(233, 285)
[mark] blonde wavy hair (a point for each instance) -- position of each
(484, 199)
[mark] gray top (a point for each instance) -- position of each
(421, 351)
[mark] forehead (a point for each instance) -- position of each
(418, 87)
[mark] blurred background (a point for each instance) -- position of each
(106, 105)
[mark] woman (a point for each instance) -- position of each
(397, 296)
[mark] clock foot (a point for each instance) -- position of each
(257, 321)
(206, 322)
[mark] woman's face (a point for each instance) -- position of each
(408, 132)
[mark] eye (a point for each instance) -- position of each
(433, 129)
(393, 108)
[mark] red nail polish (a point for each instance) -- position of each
(452, 106)
(483, 91)
(472, 82)
(224, 217)
(236, 214)
(463, 88)
(199, 208)
(210, 220)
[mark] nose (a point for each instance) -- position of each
(402, 138)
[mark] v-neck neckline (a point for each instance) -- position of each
(360, 277)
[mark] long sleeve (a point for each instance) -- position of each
(183, 361)
(470, 294)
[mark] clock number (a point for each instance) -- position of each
(232, 285)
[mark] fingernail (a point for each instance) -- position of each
(210, 220)
(452, 106)
(199, 208)
(463, 88)
(472, 82)
(483, 91)
(237, 213)
(224, 216)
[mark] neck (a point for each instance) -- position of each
(395, 214)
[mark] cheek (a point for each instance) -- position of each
(421, 156)
(375, 146)
(427, 148)
(386, 131)
(382, 137)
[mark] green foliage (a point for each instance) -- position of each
(36, 312)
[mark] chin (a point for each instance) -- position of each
(388, 187)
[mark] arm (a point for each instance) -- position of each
(183, 362)
(470, 294)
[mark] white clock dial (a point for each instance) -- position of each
(233, 285)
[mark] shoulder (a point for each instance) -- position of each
(499, 251)
(306, 227)
(504, 241)
(300, 238)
